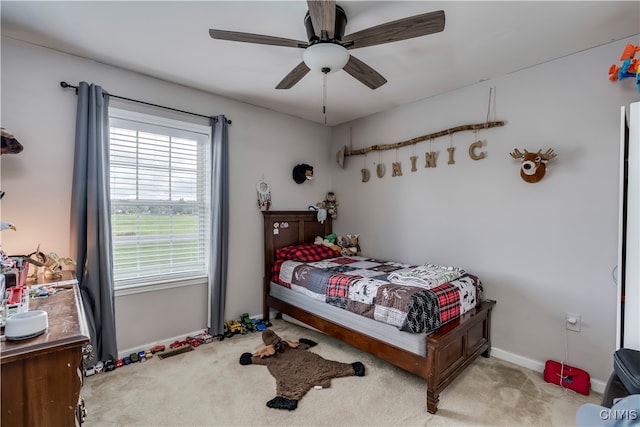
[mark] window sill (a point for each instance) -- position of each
(159, 286)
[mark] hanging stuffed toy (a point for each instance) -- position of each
(264, 195)
(330, 205)
(295, 369)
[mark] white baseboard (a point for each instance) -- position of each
(535, 365)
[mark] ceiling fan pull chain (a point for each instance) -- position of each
(324, 96)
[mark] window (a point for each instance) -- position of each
(159, 199)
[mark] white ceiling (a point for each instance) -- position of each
(170, 40)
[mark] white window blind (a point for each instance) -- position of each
(159, 198)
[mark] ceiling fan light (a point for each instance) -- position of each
(325, 55)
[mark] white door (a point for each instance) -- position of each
(628, 328)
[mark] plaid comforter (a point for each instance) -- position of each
(361, 285)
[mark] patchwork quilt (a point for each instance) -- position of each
(362, 285)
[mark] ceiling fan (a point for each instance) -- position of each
(327, 48)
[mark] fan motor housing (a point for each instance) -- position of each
(341, 25)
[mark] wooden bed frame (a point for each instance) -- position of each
(450, 349)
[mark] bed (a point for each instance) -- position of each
(437, 352)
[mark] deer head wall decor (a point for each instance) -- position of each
(533, 166)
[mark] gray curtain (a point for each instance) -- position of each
(91, 219)
(219, 223)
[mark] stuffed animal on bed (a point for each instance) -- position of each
(328, 241)
(295, 369)
(349, 245)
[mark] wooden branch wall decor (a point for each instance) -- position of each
(450, 131)
(430, 157)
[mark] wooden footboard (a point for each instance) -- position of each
(453, 347)
(450, 349)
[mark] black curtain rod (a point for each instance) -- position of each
(67, 85)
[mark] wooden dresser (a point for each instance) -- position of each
(41, 377)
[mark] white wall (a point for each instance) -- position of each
(37, 181)
(540, 249)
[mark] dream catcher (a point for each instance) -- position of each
(264, 195)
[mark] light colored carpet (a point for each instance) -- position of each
(209, 387)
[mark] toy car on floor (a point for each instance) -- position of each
(260, 325)
(157, 348)
(204, 338)
(245, 320)
(89, 370)
(193, 341)
(177, 344)
(233, 327)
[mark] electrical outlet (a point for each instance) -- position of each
(573, 322)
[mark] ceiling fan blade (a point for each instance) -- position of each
(256, 38)
(402, 29)
(323, 17)
(294, 76)
(364, 73)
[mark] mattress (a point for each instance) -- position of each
(414, 343)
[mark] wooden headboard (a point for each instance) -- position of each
(285, 228)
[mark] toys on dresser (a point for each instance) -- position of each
(52, 264)
(349, 245)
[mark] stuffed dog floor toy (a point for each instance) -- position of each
(295, 369)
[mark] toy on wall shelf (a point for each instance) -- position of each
(330, 204)
(630, 66)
